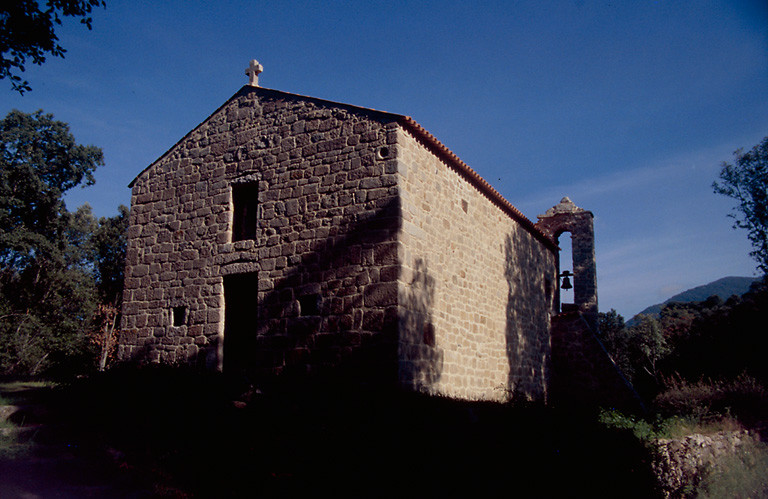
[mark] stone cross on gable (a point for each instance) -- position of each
(254, 68)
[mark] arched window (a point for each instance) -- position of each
(565, 242)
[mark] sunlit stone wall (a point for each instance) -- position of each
(476, 289)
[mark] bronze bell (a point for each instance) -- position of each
(566, 281)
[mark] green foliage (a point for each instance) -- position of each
(615, 338)
(651, 427)
(716, 339)
(709, 340)
(108, 243)
(703, 365)
(27, 31)
(636, 350)
(746, 181)
(610, 325)
(48, 306)
(639, 427)
(647, 346)
(39, 162)
(53, 263)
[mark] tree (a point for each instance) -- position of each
(637, 350)
(614, 338)
(26, 31)
(39, 162)
(47, 286)
(108, 244)
(746, 181)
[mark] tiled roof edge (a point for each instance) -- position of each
(442, 152)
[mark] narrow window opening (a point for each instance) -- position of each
(309, 304)
(179, 316)
(548, 288)
(245, 200)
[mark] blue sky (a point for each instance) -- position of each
(627, 107)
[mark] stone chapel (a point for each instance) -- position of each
(289, 236)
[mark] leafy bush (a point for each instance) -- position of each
(640, 428)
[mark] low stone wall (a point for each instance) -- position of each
(680, 464)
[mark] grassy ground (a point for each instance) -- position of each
(17, 428)
(174, 433)
(164, 432)
(39, 457)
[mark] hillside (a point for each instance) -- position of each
(724, 288)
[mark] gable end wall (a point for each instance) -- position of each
(327, 224)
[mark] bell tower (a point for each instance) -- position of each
(567, 217)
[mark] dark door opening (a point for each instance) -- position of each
(240, 306)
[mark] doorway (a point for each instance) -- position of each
(240, 322)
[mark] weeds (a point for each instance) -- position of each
(705, 407)
(640, 428)
(744, 398)
(648, 430)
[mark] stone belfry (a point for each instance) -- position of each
(567, 217)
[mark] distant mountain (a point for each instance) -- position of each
(724, 288)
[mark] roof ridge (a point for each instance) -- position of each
(419, 132)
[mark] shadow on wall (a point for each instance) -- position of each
(332, 312)
(329, 310)
(421, 361)
(527, 332)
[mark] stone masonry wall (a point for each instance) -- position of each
(476, 288)
(680, 464)
(362, 250)
(328, 215)
(567, 217)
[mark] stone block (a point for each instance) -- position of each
(380, 294)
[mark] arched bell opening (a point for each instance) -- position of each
(577, 222)
(565, 272)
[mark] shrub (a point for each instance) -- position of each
(743, 397)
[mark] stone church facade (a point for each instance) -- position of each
(289, 236)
